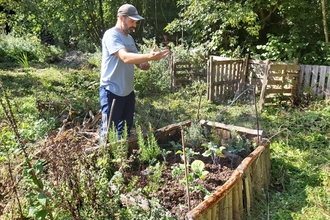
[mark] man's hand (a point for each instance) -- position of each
(157, 55)
(144, 66)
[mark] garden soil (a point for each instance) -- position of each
(173, 194)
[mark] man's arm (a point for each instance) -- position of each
(136, 58)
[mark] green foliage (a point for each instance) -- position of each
(190, 153)
(194, 135)
(214, 24)
(214, 151)
(197, 166)
(24, 49)
(236, 143)
(155, 178)
(149, 147)
(23, 61)
(157, 78)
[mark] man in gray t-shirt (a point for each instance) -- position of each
(119, 55)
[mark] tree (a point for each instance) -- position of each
(324, 16)
(218, 25)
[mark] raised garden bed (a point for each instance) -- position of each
(232, 181)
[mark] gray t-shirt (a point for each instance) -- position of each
(117, 76)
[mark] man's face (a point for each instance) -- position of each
(128, 25)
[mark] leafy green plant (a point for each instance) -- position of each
(190, 153)
(214, 151)
(175, 145)
(197, 167)
(197, 172)
(164, 154)
(236, 143)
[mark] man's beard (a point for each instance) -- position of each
(126, 29)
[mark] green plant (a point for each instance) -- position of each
(175, 145)
(197, 167)
(190, 153)
(164, 154)
(197, 172)
(39, 197)
(154, 178)
(236, 143)
(23, 61)
(149, 147)
(214, 151)
(194, 135)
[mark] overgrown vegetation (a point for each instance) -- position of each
(45, 175)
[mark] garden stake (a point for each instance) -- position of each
(109, 121)
(185, 169)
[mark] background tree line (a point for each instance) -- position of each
(275, 29)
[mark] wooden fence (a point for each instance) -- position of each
(273, 81)
(224, 77)
(184, 73)
(280, 82)
(315, 79)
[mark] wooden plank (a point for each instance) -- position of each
(315, 72)
(208, 80)
(231, 127)
(222, 69)
(321, 84)
(245, 73)
(287, 75)
(230, 77)
(278, 82)
(248, 190)
(278, 91)
(236, 202)
(286, 67)
(301, 78)
(213, 212)
(221, 208)
(229, 201)
(216, 62)
(264, 85)
(240, 195)
(212, 75)
(328, 83)
(293, 68)
(277, 67)
(307, 78)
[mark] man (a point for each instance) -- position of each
(119, 54)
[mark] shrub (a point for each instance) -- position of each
(12, 48)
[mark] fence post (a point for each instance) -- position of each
(264, 85)
(210, 79)
(246, 68)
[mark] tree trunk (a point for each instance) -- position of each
(325, 28)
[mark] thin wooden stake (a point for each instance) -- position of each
(109, 121)
(185, 170)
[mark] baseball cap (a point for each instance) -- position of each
(130, 11)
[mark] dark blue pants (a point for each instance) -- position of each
(123, 112)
